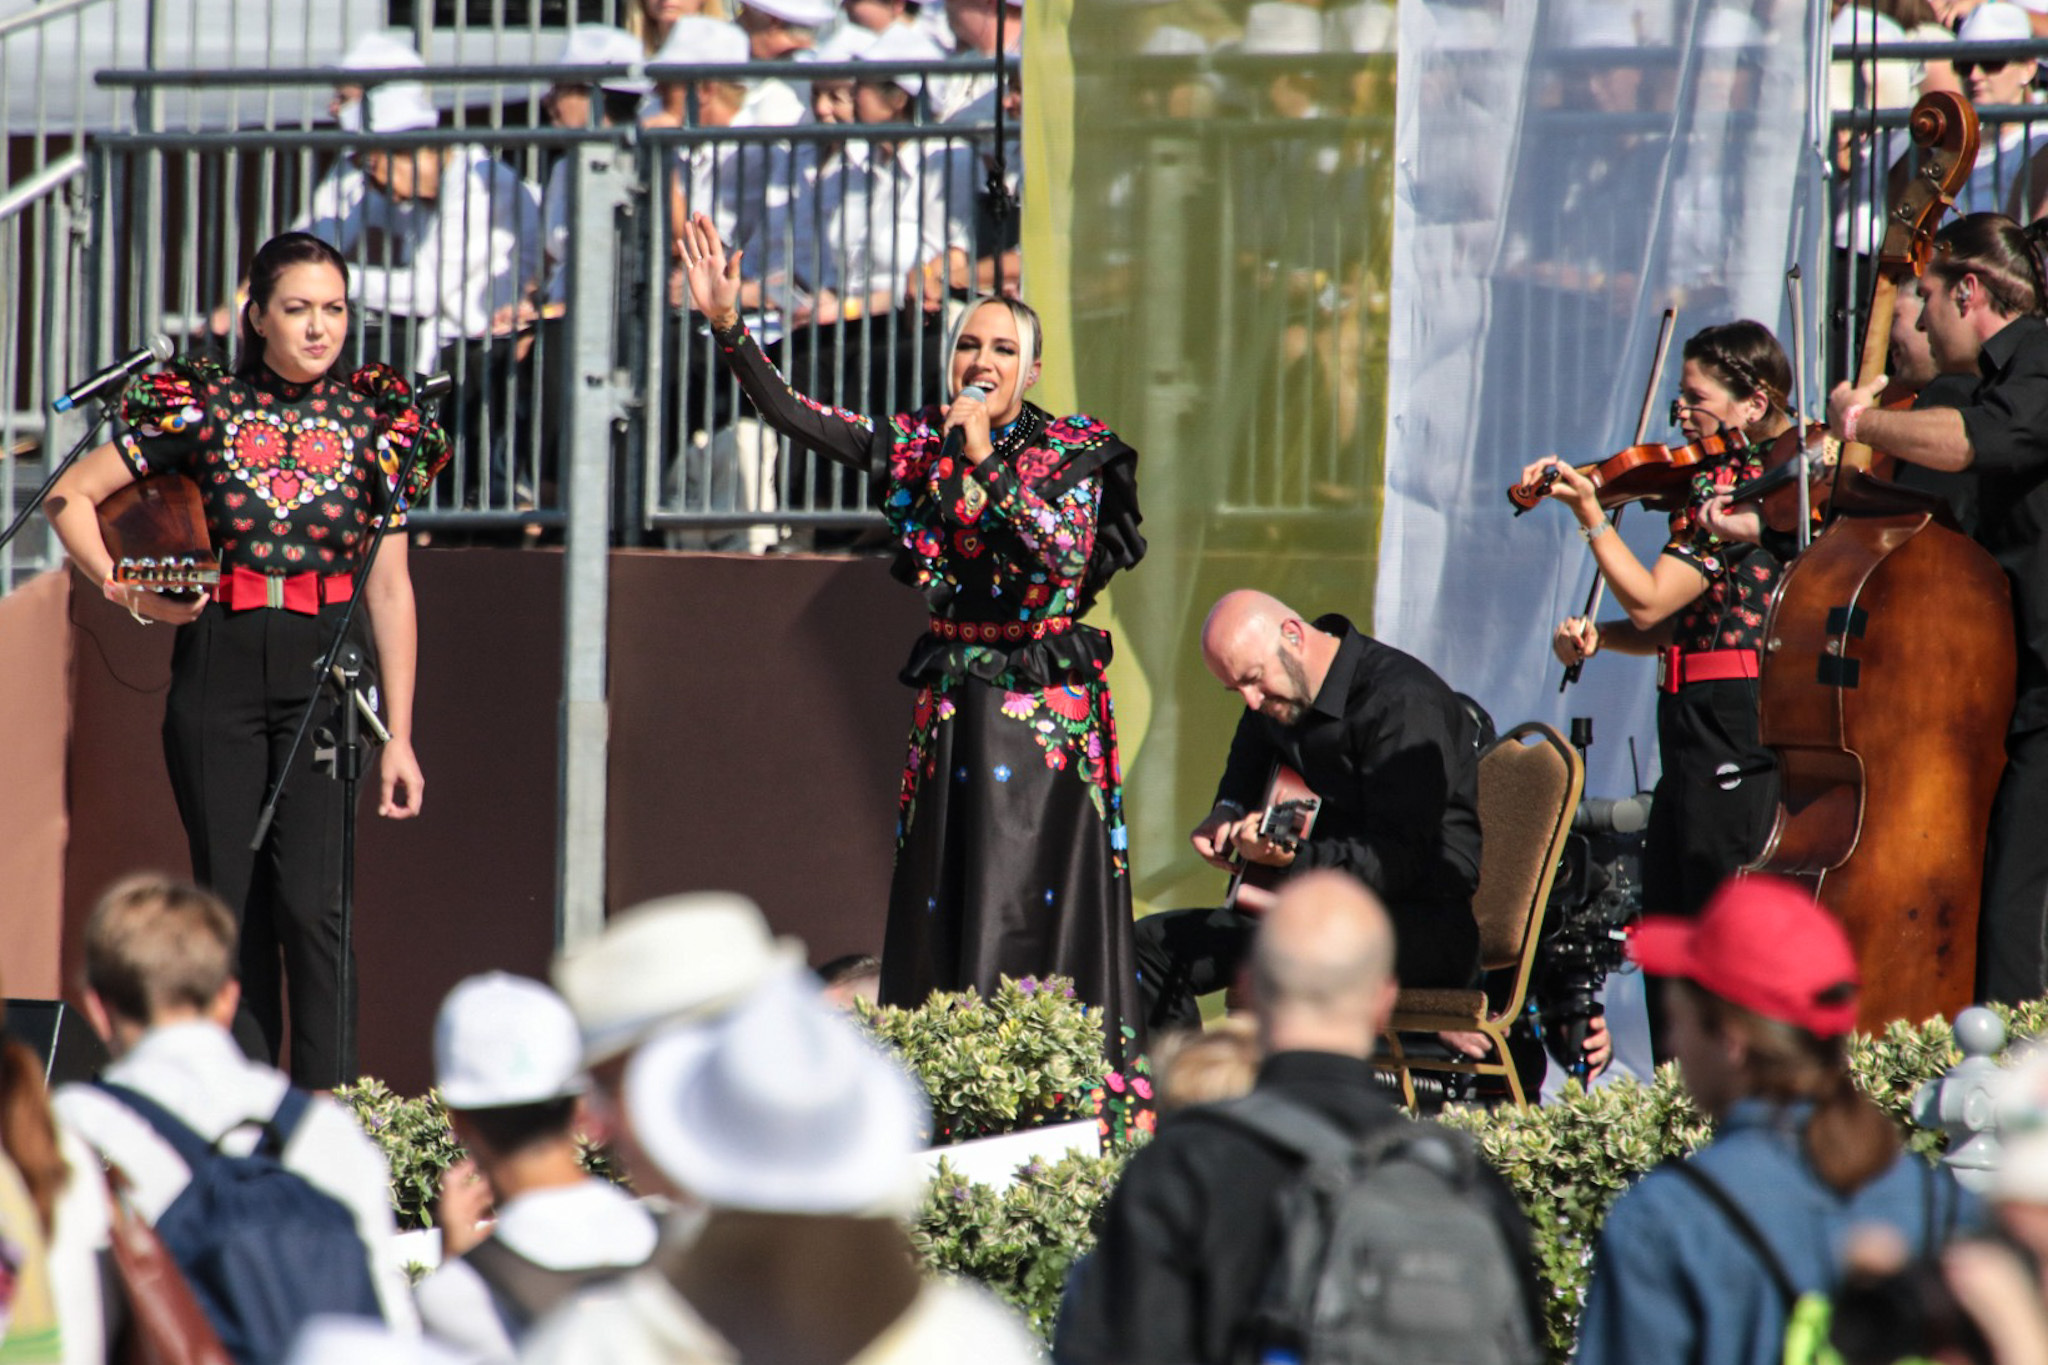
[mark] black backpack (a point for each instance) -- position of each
(1389, 1250)
(262, 1249)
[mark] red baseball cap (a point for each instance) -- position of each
(1761, 943)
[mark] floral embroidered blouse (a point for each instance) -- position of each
(292, 476)
(1028, 536)
(1741, 578)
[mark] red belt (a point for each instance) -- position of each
(1676, 667)
(991, 632)
(242, 589)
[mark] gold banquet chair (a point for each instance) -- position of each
(1529, 785)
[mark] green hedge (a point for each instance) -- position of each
(1030, 1054)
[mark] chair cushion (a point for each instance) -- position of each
(1465, 1004)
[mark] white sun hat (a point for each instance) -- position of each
(399, 107)
(603, 45)
(801, 13)
(698, 40)
(902, 43)
(503, 1040)
(784, 1106)
(682, 957)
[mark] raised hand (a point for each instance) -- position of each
(714, 279)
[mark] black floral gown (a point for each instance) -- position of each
(1011, 849)
(1717, 790)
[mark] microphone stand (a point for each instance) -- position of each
(342, 664)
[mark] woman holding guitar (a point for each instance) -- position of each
(1700, 608)
(294, 469)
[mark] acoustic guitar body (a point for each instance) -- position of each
(1289, 816)
(156, 530)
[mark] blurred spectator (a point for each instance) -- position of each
(780, 31)
(337, 202)
(49, 1300)
(1202, 1066)
(612, 103)
(856, 976)
(2011, 174)
(680, 959)
(1192, 1230)
(800, 1139)
(1701, 1259)
(984, 220)
(352, 1341)
(979, 28)
(160, 990)
(1954, 12)
(508, 1065)
(651, 20)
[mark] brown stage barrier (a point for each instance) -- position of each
(757, 737)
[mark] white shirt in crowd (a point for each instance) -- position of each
(641, 1320)
(456, 261)
(578, 1227)
(196, 1071)
(866, 218)
(963, 168)
(747, 189)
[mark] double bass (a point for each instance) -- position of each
(1888, 677)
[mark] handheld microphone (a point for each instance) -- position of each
(957, 437)
(158, 351)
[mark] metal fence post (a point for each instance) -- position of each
(596, 405)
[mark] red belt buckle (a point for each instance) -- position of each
(1670, 669)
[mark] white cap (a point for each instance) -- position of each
(502, 1040)
(799, 13)
(1280, 28)
(603, 45)
(902, 43)
(399, 107)
(1996, 22)
(682, 957)
(1170, 40)
(696, 39)
(785, 1106)
(382, 52)
(844, 43)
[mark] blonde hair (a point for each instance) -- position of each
(154, 943)
(641, 27)
(1201, 1066)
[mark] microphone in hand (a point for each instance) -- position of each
(956, 439)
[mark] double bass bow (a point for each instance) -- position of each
(1887, 678)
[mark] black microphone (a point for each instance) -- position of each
(158, 351)
(432, 387)
(957, 437)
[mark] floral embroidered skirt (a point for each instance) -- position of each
(1011, 854)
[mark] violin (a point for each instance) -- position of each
(1654, 474)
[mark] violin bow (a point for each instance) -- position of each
(1599, 588)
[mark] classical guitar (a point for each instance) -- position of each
(1289, 815)
(156, 530)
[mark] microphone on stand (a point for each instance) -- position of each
(957, 437)
(158, 351)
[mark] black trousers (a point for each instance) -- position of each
(238, 681)
(2012, 926)
(1186, 953)
(1712, 810)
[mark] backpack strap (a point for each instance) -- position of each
(191, 1148)
(291, 1110)
(1744, 1227)
(526, 1290)
(1293, 1127)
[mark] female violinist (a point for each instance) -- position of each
(1700, 608)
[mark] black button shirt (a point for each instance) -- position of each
(2007, 423)
(1394, 755)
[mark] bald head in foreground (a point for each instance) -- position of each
(1323, 967)
(1195, 1226)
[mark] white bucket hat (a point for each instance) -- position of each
(800, 13)
(603, 45)
(503, 1040)
(782, 1107)
(902, 43)
(399, 107)
(682, 957)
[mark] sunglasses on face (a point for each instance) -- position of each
(1963, 69)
